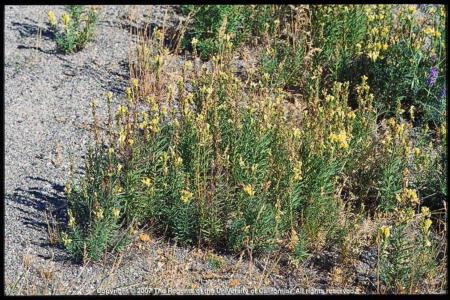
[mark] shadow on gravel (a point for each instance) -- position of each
(36, 48)
(51, 202)
(41, 200)
(28, 30)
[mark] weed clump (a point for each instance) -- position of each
(76, 27)
(276, 161)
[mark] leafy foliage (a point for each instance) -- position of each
(78, 27)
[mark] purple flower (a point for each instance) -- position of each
(432, 76)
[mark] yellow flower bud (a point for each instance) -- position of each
(146, 182)
(65, 239)
(51, 18)
(135, 83)
(186, 196)
(385, 232)
(71, 222)
(65, 19)
(115, 212)
(425, 211)
(249, 190)
(194, 42)
(426, 225)
(99, 214)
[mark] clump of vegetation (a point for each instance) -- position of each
(407, 256)
(400, 49)
(76, 27)
(244, 23)
(251, 164)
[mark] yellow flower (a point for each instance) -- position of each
(119, 168)
(417, 151)
(429, 31)
(68, 189)
(412, 195)
(249, 190)
(296, 133)
(117, 189)
(385, 232)
(99, 214)
(71, 219)
(122, 110)
(400, 128)
(146, 181)
(122, 137)
(178, 161)
(135, 83)
(443, 131)
(298, 172)
(65, 19)
(186, 196)
(65, 239)
(385, 46)
(426, 225)
(115, 212)
(341, 139)
(128, 92)
(188, 65)
(411, 112)
(343, 145)
(51, 18)
(409, 215)
(373, 55)
(378, 46)
(425, 211)
(194, 42)
(412, 9)
(143, 125)
(351, 115)
(154, 121)
(408, 195)
(241, 162)
(329, 98)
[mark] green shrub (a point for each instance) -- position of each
(78, 27)
(241, 22)
(337, 30)
(407, 255)
(216, 160)
(214, 170)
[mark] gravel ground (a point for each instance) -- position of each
(47, 116)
